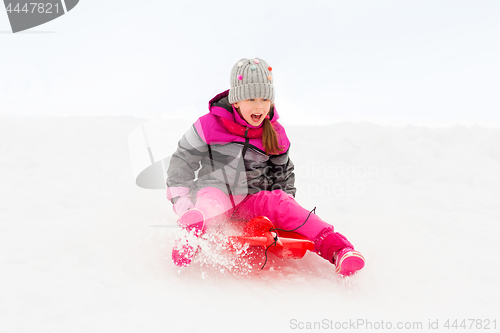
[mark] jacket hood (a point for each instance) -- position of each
(220, 106)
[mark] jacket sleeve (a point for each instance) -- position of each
(185, 161)
(281, 172)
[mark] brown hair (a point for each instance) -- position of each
(269, 136)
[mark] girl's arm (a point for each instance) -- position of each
(282, 173)
(184, 163)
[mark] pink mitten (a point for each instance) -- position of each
(182, 205)
(180, 198)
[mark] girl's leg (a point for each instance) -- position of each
(286, 213)
(214, 204)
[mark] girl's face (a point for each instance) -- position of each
(254, 111)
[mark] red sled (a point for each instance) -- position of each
(260, 231)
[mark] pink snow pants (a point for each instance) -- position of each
(280, 208)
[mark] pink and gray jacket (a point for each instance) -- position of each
(222, 150)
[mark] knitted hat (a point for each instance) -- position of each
(251, 78)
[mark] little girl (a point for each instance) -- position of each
(243, 152)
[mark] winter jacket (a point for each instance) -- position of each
(210, 155)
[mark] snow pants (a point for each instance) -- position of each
(280, 208)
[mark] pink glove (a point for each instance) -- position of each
(180, 195)
(182, 205)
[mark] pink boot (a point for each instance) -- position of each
(193, 221)
(348, 261)
(183, 253)
(335, 248)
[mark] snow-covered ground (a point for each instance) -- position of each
(82, 248)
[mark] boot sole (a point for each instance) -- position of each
(350, 263)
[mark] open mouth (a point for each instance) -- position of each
(256, 116)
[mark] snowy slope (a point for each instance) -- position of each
(82, 250)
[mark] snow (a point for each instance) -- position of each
(427, 62)
(83, 249)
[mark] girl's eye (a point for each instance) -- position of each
(265, 99)
(251, 99)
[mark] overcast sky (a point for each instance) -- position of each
(433, 63)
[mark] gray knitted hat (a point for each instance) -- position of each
(251, 78)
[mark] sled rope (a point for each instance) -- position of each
(275, 230)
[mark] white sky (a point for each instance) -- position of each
(432, 63)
